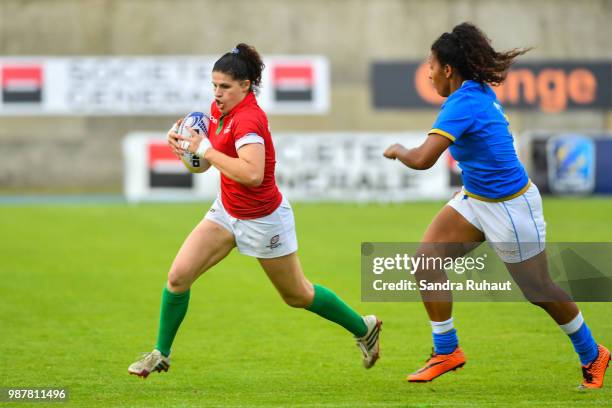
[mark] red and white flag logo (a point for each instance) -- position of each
(293, 82)
(22, 83)
(165, 170)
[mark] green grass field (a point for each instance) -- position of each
(79, 299)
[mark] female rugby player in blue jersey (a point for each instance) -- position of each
(498, 202)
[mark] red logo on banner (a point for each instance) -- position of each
(22, 83)
(160, 153)
(165, 169)
(293, 82)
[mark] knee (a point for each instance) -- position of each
(296, 301)
(534, 296)
(543, 294)
(420, 274)
(431, 275)
(543, 305)
(542, 300)
(178, 280)
(300, 299)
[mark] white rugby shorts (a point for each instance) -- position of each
(514, 228)
(271, 236)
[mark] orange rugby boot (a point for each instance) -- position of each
(593, 373)
(437, 365)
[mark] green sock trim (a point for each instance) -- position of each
(173, 310)
(329, 306)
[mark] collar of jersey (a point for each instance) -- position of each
(467, 83)
(249, 99)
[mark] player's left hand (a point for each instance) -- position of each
(196, 144)
(393, 151)
(171, 138)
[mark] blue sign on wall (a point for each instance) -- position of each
(571, 164)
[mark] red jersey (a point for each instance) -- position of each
(245, 119)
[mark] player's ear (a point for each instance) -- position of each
(448, 71)
(245, 85)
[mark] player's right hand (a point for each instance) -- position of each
(172, 138)
(393, 151)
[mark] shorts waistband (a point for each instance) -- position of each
(497, 200)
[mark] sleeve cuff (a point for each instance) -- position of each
(442, 133)
(249, 138)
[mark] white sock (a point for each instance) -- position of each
(573, 325)
(442, 327)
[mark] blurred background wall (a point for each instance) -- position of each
(80, 153)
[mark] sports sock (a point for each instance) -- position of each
(329, 306)
(581, 338)
(444, 336)
(173, 310)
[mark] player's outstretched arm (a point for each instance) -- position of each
(422, 157)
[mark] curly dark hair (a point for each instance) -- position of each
(469, 50)
(243, 62)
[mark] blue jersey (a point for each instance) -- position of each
(474, 120)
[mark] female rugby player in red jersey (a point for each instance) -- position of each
(498, 202)
(250, 214)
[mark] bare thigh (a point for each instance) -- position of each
(206, 245)
(287, 276)
(448, 235)
(450, 226)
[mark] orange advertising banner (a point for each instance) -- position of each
(547, 86)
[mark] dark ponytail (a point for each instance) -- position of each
(241, 63)
(469, 51)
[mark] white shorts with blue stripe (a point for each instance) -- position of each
(514, 228)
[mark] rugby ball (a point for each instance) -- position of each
(199, 122)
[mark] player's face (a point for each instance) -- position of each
(228, 91)
(439, 75)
